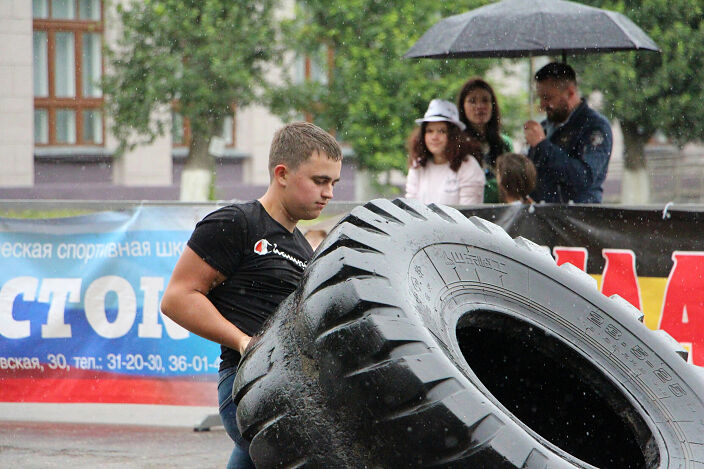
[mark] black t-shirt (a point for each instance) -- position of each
(261, 260)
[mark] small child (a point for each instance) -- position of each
(516, 177)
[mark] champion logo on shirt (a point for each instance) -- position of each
(263, 247)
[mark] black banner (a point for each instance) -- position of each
(653, 235)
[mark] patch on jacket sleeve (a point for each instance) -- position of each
(597, 138)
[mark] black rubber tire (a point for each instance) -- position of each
(421, 338)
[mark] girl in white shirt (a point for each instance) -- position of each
(442, 165)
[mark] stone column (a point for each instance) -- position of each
(16, 94)
(255, 129)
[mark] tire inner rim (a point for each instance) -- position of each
(555, 391)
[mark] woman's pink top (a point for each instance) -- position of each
(438, 183)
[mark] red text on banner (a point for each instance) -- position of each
(683, 305)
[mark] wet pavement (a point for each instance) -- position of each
(72, 445)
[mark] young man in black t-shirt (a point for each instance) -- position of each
(244, 259)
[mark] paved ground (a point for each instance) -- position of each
(33, 445)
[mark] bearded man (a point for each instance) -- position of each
(572, 147)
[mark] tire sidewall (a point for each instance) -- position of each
(660, 385)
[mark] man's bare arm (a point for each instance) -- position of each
(185, 302)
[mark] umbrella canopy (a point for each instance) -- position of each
(521, 28)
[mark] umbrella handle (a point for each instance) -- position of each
(530, 87)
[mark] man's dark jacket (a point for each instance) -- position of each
(573, 160)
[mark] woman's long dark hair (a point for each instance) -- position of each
(457, 150)
(492, 135)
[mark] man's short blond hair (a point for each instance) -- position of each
(294, 143)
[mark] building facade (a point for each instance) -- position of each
(55, 141)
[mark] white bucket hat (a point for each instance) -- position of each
(440, 110)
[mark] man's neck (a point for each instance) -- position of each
(572, 108)
(574, 105)
(276, 210)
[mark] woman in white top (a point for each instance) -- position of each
(441, 161)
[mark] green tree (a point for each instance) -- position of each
(373, 94)
(200, 56)
(648, 91)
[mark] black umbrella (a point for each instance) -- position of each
(521, 28)
(525, 28)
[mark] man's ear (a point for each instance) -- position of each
(281, 174)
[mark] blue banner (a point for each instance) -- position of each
(79, 299)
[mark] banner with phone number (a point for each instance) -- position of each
(79, 296)
(79, 311)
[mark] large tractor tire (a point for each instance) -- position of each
(422, 338)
